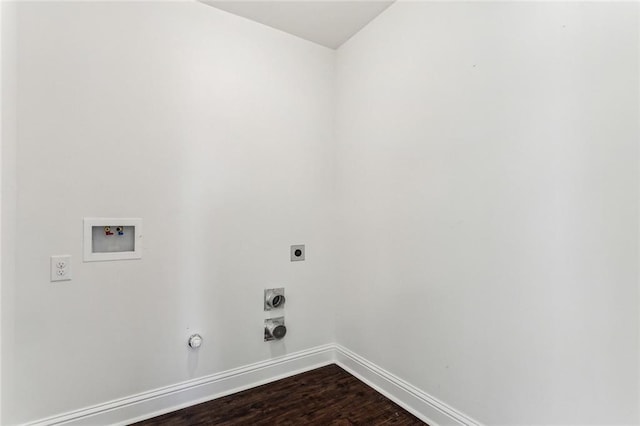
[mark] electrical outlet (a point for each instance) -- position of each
(61, 268)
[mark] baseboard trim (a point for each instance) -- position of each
(160, 401)
(170, 398)
(419, 403)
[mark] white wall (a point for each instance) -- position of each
(8, 135)
(488, 169)
(218, 133)
(486, 163)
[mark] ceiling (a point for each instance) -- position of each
(329, 23)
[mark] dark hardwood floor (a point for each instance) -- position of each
(325, 396)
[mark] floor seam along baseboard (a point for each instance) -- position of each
(424, 406)
(165, 399)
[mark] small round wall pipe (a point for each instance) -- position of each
(274, 331)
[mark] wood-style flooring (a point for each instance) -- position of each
(325, 396)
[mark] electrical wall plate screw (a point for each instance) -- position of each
(297, 252)
(273, 298)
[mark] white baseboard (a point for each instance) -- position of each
(419, 403)
(160, 401)
(164, 400)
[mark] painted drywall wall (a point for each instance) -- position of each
(488, 169)
(215, 131)
(488, 178)
(8, 135)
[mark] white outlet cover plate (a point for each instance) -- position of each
(61, 268)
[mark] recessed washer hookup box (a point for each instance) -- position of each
(108, 238)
